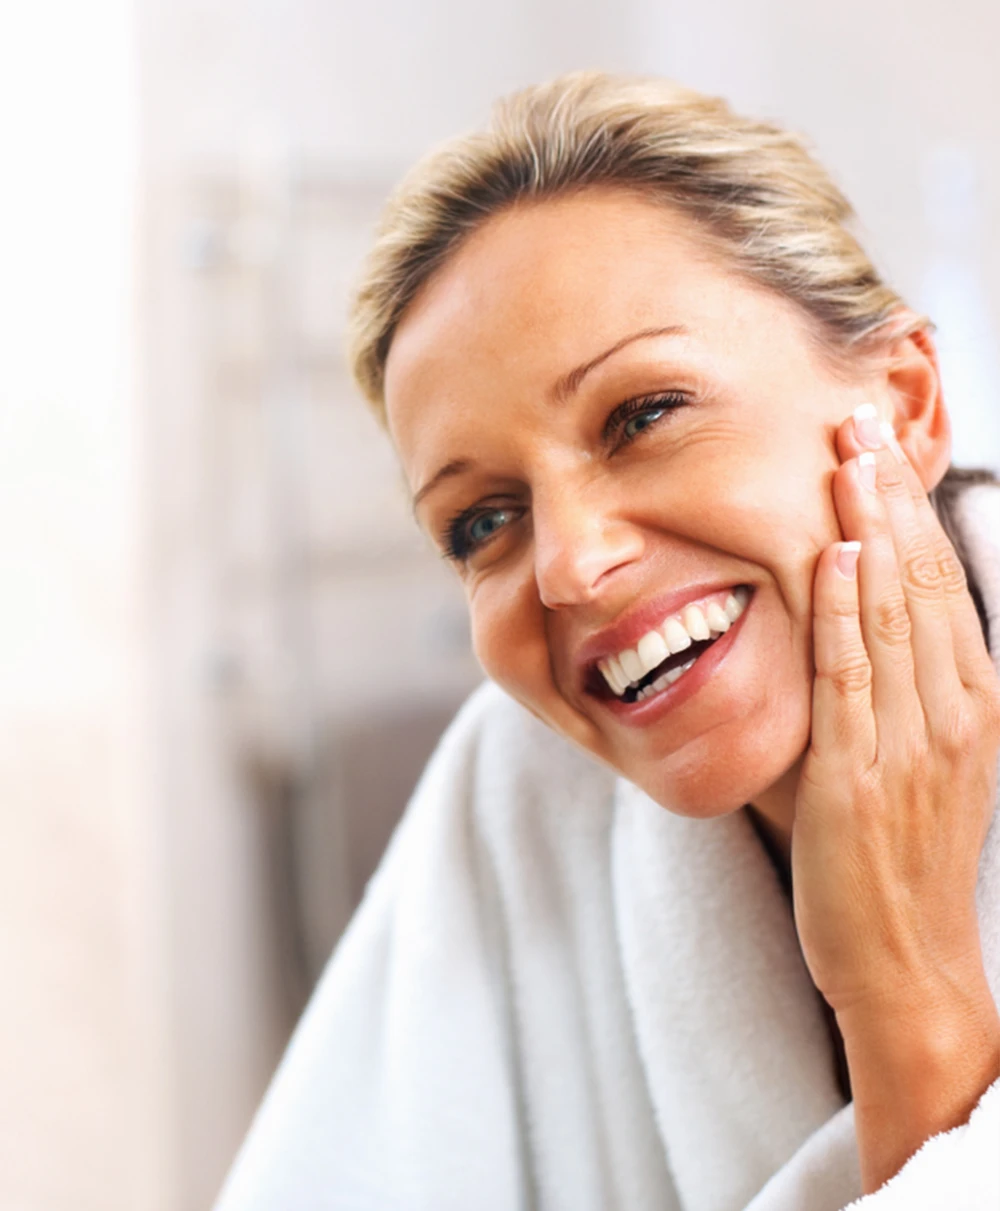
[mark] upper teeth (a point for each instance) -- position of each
(702, 620)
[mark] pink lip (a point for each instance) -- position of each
(651, 710)
(629, 629)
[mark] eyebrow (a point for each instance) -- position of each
(564, 387)
(570, 383)
(457, 466)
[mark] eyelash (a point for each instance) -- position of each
(454, 539)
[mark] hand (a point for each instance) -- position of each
(898, 785)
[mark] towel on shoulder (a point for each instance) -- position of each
(556, 995)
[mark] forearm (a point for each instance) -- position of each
(918, 1068)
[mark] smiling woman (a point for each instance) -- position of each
(689, 457)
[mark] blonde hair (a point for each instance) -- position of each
(755, 188)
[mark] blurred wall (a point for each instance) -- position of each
(79, 953)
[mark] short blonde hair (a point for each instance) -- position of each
(755, 188)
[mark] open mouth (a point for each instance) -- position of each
(671, 670)
(665, 654)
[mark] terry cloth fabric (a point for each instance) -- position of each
(557, 995)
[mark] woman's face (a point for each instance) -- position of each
(606, 424)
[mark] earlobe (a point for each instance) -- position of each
(920, 418)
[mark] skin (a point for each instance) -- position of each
(852, 713)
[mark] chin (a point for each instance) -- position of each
(719, 774)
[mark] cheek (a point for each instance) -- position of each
(766, 499)
(742, 475)
(776, 507)
(508, 637)
(782, 482)
(510, 640)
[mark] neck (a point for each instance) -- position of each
(773, 813)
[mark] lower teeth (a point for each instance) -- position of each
(661, 683)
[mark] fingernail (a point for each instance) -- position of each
(847, 559)
(866, 426)
(890, 440)
(866, 470)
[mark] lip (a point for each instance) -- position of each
(630, 628)
(651, 710)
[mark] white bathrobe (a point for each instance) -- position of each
(558, 995)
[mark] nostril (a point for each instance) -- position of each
(575, 554)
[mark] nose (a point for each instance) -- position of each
(578, 543)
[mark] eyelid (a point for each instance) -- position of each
(666, 401)
(460, 522)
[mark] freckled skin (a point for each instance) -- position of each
(734, 487)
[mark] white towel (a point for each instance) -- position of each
(558, 995)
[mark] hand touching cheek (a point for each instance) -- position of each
(896, 794)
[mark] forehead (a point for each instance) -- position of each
(544, 287)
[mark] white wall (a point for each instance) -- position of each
(78, 1103)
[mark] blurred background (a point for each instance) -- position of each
(225, 652)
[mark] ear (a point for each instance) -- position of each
(914, 401)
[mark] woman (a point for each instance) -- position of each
(677, 437)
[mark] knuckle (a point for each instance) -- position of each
(921, 572)
(891, 619)
(892, 484)
(860, 795)
(958, 734)
(850, 677)
(869, 787)
(844, 610)
(951, 573)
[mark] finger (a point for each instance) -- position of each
(843, 723)
(968, 645)
(858, 432)
(942, 694)
(885, 619)
(973, 664)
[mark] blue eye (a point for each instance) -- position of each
(636, 424)
(471, 530)
(635, 416)
(487, 524)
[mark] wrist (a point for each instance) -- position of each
(915, 1057)
(945, 984)
(934, 1013)
(918, 1066)
(915, 1038)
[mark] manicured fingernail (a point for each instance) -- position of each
(866, 426)
(866, 470)
(890, 440)
(847, 559)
